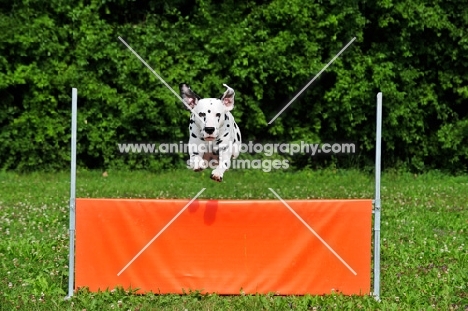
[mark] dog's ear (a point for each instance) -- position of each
(189, 96)
(228, 98)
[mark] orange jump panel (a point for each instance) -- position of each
(224, 247)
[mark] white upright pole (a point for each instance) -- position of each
(71, 258)
(377, 205)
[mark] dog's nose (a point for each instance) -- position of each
(209, 130)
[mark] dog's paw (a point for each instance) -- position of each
(198, 164)
(199, 168)
(217, 175)
(216, 178)
(196, 167)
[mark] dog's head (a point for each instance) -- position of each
(211, 112)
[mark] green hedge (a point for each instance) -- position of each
(416, 53)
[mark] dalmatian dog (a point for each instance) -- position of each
(215, 137)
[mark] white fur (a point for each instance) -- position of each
(215, 129)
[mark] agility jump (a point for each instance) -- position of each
(286, 247)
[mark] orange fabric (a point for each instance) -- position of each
(224, 247)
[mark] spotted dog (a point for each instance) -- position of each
(213, 130)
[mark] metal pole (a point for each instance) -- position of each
(71, 258)
(377, 205)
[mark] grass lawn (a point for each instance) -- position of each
(424, 237)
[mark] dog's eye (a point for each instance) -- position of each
(202, 114)
(218, 115)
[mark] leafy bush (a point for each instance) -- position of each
(415, 53)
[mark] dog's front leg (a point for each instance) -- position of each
(225, 155)
(197, 163)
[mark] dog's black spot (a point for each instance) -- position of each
(226, 134)
(235, 140)
(194, 136)
(226, 117)
(238, 137)
(235, 125)
(218, 141)
(202, 138)
(227, 125)
(191, 121)
(215, 152)
(195, 153)
(190, 127)
(209, 111)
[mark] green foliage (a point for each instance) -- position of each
(415, 53)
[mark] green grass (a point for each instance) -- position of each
(424, 237)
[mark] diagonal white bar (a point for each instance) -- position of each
(160, 232)
(151, 69)
(313, 232)
(310, 82)
(159, 77)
